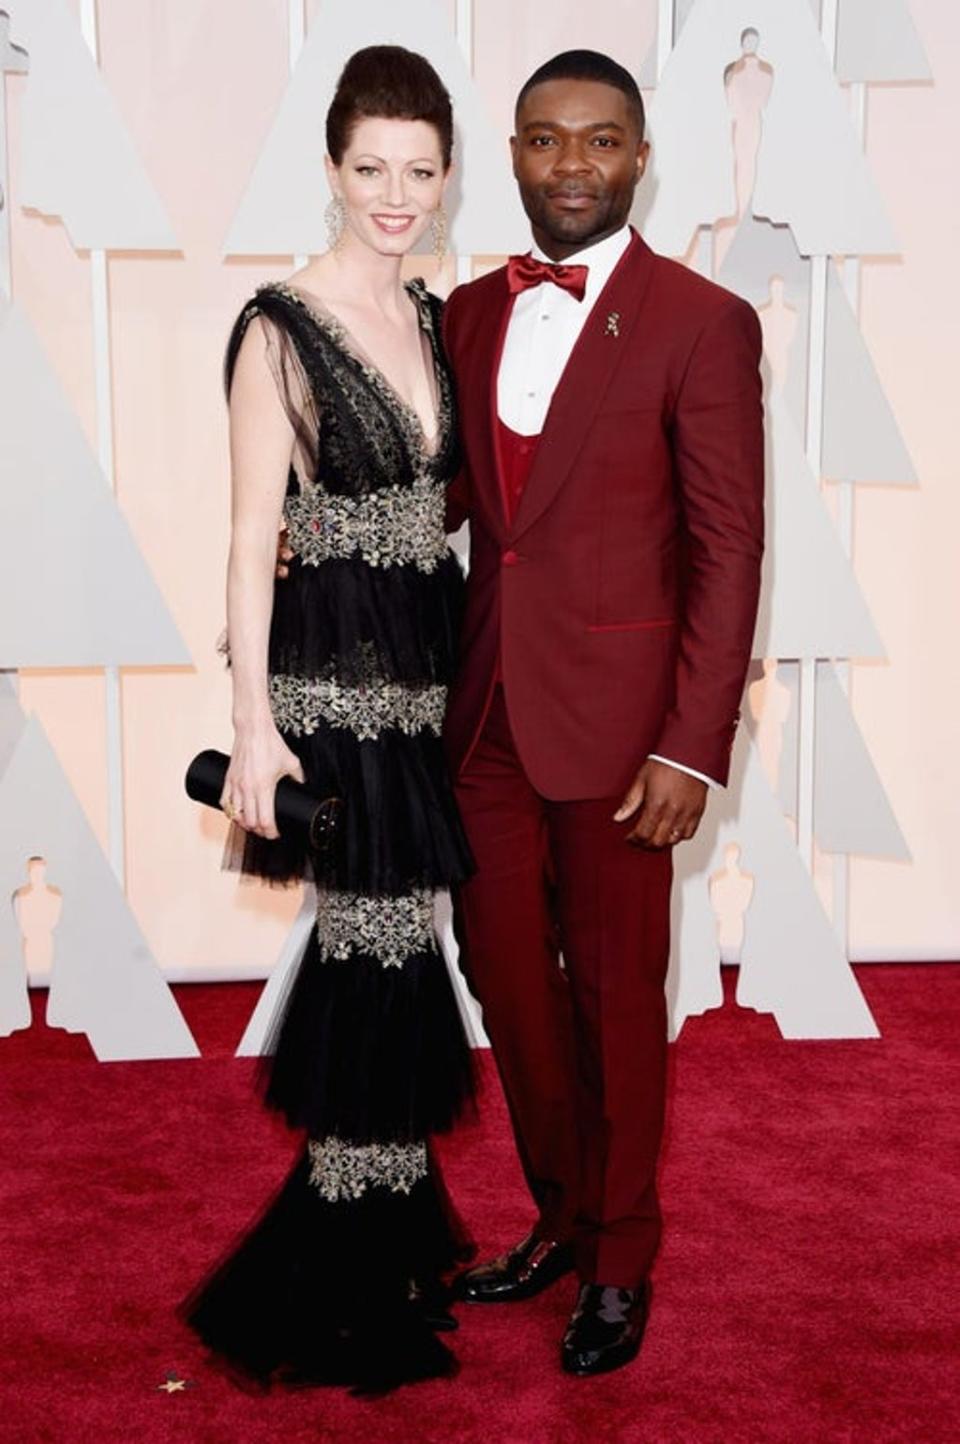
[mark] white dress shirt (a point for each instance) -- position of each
(542, 331)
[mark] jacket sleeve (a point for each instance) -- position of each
(718, 463)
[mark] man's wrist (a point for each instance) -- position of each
(682, 767)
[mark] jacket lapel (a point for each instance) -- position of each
(477, 388)
(601, 347)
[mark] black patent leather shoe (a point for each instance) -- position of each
(606, 1329)
(526, 1270)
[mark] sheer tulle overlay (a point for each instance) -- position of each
(367, 1053)
(396, 827)
(318, 1292)
(401, 1072)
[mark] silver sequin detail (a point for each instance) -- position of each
(390, 929)
(300, 704)
(346, 1170)
(390, 527)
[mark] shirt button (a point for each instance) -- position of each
(531, 394)
(510, 558)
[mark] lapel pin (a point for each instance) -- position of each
(613, 324)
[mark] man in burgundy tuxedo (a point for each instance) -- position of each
(612, 426)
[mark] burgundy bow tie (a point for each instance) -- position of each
(525, 271)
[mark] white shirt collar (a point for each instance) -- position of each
(600, 259)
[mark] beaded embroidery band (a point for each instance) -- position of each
(342, 1171)
(395, 526)
(300, 704)
(390, 929)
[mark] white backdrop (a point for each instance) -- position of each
(166, 145)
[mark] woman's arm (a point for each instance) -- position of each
(261, 448)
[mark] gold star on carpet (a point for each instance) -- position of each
(173, 1384)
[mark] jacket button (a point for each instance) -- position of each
(510, 558)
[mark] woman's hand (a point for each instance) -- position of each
(285, 555)
(259, 759)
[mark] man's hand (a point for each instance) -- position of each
(284, 554)
(670, 805)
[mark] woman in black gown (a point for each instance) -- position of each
(342, 418)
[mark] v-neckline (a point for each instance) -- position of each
(430, 446)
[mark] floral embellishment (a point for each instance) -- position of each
(394, 526)
(341, 1171)
(390, 929)
(300, 704)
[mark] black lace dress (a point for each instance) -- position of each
(367, 1054)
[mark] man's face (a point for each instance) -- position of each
(577, 157)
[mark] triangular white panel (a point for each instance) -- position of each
(791, 964)
(861, 439)
(851, 811)
(470, 1010)
(647, 74)
(257, 1030)
(681, 11)
(810, 603)
(281, 977)
(77, 160)
(758, 252)
(104, 981)
(690, 178)
(13, 57)
(282, 210)
(12, 719)
(74, 589)
(877, 40)
(811, 172)
(14, 994)
(13, 60)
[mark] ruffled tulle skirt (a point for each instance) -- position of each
(342, 608)
(367, 627)
(319, 1291)
(397, 824)
(367, 1051)
(368, 1055)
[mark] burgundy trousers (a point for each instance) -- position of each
(581, 1047)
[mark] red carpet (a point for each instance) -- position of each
(807, 1290)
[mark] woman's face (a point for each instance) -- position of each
(391, 180)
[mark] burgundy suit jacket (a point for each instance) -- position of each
(622, 598)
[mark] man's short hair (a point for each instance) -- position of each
(589, 65)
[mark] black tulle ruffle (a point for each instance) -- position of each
(397, 829)
(407, 622)
(318, 1292)
(367, 1052)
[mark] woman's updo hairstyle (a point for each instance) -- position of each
(388, 82)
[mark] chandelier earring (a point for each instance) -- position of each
(335, 216)
(438, 230)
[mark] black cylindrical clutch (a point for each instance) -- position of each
(299, 814)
